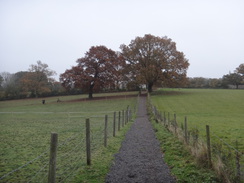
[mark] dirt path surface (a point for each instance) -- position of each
(140, 158)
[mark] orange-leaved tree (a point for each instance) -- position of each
(100, 69)
(155, 59)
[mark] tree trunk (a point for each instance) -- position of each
(35, 93)
(90, 95)
(149, 85)
(91, 91)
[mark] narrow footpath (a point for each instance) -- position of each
(140, 159)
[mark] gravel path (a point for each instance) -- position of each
(140, 158)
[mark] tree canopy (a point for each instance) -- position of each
(100, 68)
(232, 79)
(153, 59)
(34, 82)
(240, 70)
(37, 79)
(148, 60)
(236, 78)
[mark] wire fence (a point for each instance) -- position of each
(209, 150)
(71, 151)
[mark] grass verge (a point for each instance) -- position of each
(102, 160)
(181, 163)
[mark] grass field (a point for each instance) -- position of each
(223, 110)
(26, 126)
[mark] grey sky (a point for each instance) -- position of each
(209, 32)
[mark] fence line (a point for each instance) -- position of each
(72, 147)
(16, 112)
(232, 161)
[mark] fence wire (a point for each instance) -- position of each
(71, 153)
(225, 157)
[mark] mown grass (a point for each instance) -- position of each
(26, 126)
(222, 110)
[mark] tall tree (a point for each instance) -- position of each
(37, 79)
(152, 59)
(100, 68)
(42, 68)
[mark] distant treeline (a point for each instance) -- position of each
(200, 82)
(147, 63)
(14, 88)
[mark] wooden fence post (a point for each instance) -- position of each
(53, 155)
(123, 117)
(208, 145)
(122, 123)
(186, 139)
(129, 115)
(119, 122)
(106, 131)
(168, 118)
(88, 143)
(238, 166)
(175, 123)
(164, 118)
(114, 124)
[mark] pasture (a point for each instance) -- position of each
(26, 126)
(222, 110)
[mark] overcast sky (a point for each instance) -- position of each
(209, 32)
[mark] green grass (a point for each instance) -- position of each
(35, 104)
(96, 173)
(182, 165)
(26, 126)
(223, 110)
